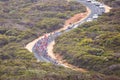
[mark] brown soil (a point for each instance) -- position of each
(76, 18)
(107, 9)
(60, 59)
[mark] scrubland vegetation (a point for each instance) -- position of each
(94, 45)
(111, 3)
(21, 21)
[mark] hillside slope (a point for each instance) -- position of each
(21, 21)
(94, 45)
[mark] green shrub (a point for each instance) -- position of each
(3, 40)
(50, 24)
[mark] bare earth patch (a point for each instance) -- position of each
(60, 59)
(75, 19)
(107, 9)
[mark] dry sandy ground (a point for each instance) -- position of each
(107, 9)
(75, 19)
(30, 45)
(60, 60)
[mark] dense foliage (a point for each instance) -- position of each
(27, 14)
(112, 3)
(22, 21)
(94, 45)
(17, 63)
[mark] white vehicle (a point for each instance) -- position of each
(95, 3)
(71, 26)
(88, 0)
(89, 19)
(98, 4)
(101, 6)
(95, 16)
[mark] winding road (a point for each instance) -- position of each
(92, 8)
